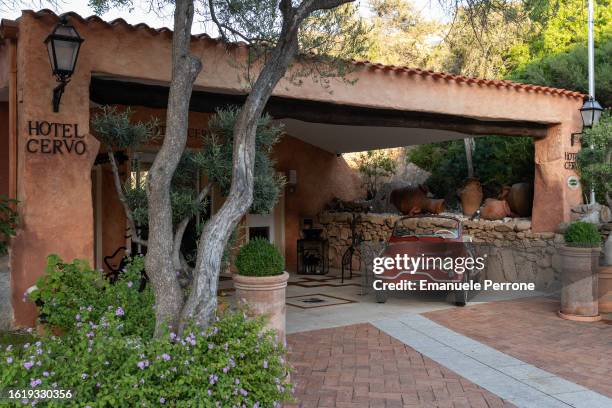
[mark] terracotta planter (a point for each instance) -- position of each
(495, 209)
(414, 200)
(264, 295)
(579, 293)
(605, 289)
(520, 199)
(471, 196)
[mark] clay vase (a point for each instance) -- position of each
(495, 209)
(414, 200)
(470, 195)
(605, 289)
(579, 292)
(520, 199)
(264, 295)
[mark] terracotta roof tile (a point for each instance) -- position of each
(165, 31)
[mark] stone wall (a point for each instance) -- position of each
(6, 309)
(514, 252)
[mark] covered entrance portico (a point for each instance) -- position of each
(130, 65)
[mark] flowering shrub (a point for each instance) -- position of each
(235, 363)
(70, 293)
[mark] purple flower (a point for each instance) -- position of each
(225, 370)
(77, 317)
(142, 364)
(244, 392)
(89, 308)
(212, 379)
(119, 311)
(35, 382)
(166, 357)
(211, 346)
(265, 364)
(45, 373)
(162, 400)
(209, 392)
(28, 364)
(129, 284)
(9, 360)
(84, 376)
(90, 334)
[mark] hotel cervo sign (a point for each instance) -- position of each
(54, 138)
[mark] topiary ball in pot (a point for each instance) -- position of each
(582, 234)
(259, 258)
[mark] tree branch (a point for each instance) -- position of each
(126, 208)
(180, 230)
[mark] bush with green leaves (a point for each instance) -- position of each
(374, 166)
(259, 258)
(582, 234)
(594, 159)
(70, 293)
(8, 222)
(234, 363)
(498, 161)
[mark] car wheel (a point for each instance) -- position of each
(381, 296)
(461, 297)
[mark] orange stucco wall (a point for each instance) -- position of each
(55, 189)
(321, 176)
(4, 149)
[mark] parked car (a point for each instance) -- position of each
(439, 241)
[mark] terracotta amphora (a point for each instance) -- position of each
(414, 200)
(520, 199)
(495, 209)
(470, 195)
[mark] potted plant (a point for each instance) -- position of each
(261, 282)
(580, 261)
(594, 162)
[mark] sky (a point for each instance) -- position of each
(140, 12)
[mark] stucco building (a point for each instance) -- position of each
(50, 162)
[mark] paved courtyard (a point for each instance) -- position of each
(361, 366)
(529, 330)
(421, 351)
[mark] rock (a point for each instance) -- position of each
(522, 225)
(503, 228)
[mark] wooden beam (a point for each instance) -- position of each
(108, 92)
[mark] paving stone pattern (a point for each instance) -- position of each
(360, 366)
(530, 330)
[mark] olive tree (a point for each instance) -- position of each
(316, 38)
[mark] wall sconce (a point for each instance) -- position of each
(292, 180)
(590, 113)
(63, 46)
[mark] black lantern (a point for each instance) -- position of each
(63, 46)
(590, 112)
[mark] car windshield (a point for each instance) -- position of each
(419, 227)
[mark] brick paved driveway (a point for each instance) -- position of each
(529, 330)
(360, 366)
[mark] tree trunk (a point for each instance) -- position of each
(469, 150)
(159, 260)
(201, 305)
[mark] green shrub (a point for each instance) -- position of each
(234, 363)
(498, 161)
(259, 258)
(582, 234)
(70, 293)
(8, 222)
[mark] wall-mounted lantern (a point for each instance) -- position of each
(292, 180)
(63, 46)
(590, 113)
